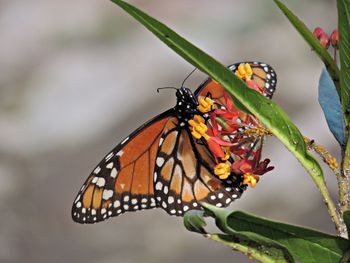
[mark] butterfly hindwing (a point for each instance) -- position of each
(263, 75)
(184, 174)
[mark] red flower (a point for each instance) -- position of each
(251, 166)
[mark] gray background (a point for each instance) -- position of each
(78, 76)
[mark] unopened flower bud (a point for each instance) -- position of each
(335, 39)
(324, 41)
(322, 37)
(318, 32)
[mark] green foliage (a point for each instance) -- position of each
(303, 244)
(254, 245)
(344, 49)
(306, 245)
(313, 42)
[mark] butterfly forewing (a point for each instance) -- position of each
(123, 180)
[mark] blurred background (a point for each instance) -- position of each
(78, 76)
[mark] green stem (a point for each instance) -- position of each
(244, 247)
(336, 55)
(344, 179)
(332, 210)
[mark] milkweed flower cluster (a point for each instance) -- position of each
(233, 137)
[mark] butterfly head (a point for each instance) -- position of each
(186, 96)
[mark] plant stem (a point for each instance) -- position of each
(336, 55)
(333, 212)
(344, 179)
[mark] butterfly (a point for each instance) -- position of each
(161, 164)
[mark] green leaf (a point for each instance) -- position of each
(306, 245)
(344, 50)
(194, 221)
(313, 42)
(267, 111)
(251, 244)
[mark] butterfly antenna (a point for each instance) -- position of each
(189, 75)
(166, 88)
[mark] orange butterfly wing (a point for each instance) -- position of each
(123, 180)
(263, 75)
(184, 174)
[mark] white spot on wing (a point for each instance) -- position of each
(116, 204)
(77, 199)
(170, 199)
(109, 156)
(165, 190)
(107, 194)
(110, 165)
(159, 186)
(100, 182)
(160, 161)
(97, 170)
(114, 173)
(120, 153)
(125, 140)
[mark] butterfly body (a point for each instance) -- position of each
(186, 105)
(161, 164)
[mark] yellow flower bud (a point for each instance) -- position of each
(205, 105)
(223, 170)
(251, 179)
